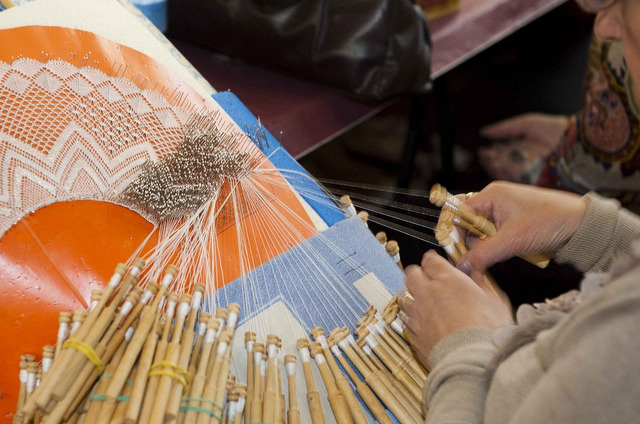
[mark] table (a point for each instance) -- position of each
(304, 116)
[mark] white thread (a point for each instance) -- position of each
(232, 319)
(31, 382)
(202, 328)
(397, 326)
(449, 249)
(196, 299)
(183, 309)
(249, 346)
(304, 355)
(46, 364)
(210, 336)
(291, 368)
(320, 359)
(372, 343)
(366, 350)
(168, 278)
(240, 406)
(93, 305)
(323, 342)
(125, 308)
(115, 280)
(396, 258)
(271, 350)
(63, 331)
(23, 376)
(146, 296)
(222, 348)
(336, 351)
(129, 333)
(257, 358)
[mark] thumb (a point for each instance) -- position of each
(509, 128)
(482, 255)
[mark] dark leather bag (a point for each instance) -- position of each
(372, 49)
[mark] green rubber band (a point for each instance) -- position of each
(130, 383)
(105, 376)
(199, 409)
(122, 399)
(211, 401)
(98, 397)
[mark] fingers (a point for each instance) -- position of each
(433, 264)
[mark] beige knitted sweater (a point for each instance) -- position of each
(573, 360)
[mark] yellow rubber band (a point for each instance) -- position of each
(174, 371)
(86, 350)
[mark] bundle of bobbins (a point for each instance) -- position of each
(136, 355)
(150, 355)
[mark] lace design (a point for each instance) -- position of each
(76, 133)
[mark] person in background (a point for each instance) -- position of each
(597, 149)
(572, 359)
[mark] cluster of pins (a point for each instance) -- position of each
(135, 355)
(181, 183)
(391, 246)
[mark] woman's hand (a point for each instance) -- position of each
(519, 142)
(447, 301)
(529, 220)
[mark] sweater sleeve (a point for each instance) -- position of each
(605, 233)
(457, 386)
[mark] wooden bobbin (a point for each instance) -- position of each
(347, 206)
(373, 379)
(408, 361)
(382, 238)
(293, 414)
(216, 381)
(364, 216)
(393, 250)
(96, 294)
(98, 326)
(58, 375)
(172, 358)
(392, 363)
(223, 376)
(145, 361)
(159, 355)
(313, 396)
(410, 404)
(398, 390)
(471, 221)
(48, 355)
(199, 379)
(341, 382)
(440, 197)
(95, 403)
(105, 349)
(256, 402)
(22, 394)
(249, 340)
(363, 390)
(442, 235)
(203, 321)
(186, 349)
(271, 391)
(241, 390)
(64, 408)
(336, 398)
(146, 323)
(64, 329)
(123, 400)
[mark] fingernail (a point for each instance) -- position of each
(465, 266)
